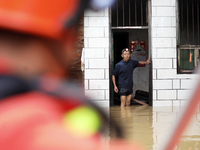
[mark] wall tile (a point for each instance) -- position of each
(94, 53)
(161, 42)
(174, 63)
(86, 84)
(154, 53)
(162, 63)
(161, 3)
(94, 74)
(86, 42)
(98, 42)
(95, 94)
(176, 84)
(154, 32)
(154, 11)
(99, 84)
(162, 84)
(166, 73)
(176, 103)
(174, 42)
(91, 13)
(166, 53)
(188, 84)
(184, 94)
(107, 52)
(154, 94)
(166, 32)
(99, 63)
(86, 21)
(173, 21)
(86, 63)
(107, 74)
(94, 32)
(154, 73)
(106, 11)
(166, 11)
(107, 94)
(98, 21)
(106, 34)
(161, 21)
(166, 94)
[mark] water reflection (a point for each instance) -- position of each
(150, 125)
(136, 122)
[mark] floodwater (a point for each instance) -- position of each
(149, 126)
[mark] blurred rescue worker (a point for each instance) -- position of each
(38, 110)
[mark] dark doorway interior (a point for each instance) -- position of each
(120, 41)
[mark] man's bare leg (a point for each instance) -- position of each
(128, 100)
(123, 101)
(144, 104)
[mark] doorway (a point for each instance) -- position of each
(126, 28)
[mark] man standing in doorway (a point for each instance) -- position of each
(124, 71)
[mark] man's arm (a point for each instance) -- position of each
(145, 62)
(115, 87)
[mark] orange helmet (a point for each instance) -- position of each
(48, 18)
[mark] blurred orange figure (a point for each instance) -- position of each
(38, 110)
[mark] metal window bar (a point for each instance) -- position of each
(123, 13)
(130, 13)
(193, 19)
(141, 13)
(198, 19)
(135, 13)
(182, 19)
(117, 15)
(189, 22)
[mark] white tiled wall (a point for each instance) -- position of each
(169, 88)
(96, 36)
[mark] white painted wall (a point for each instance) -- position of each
(96, 36)
(169, 88)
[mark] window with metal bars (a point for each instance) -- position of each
(126, 13)
(189, 34)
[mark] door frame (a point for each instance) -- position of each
(111, 54)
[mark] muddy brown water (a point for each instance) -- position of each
(149, 126)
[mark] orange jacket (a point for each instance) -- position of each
(34, 120)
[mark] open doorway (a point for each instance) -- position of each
(127, 26)
(124, 39)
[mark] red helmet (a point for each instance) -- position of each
(47, 18)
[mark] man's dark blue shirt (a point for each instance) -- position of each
(124, 71)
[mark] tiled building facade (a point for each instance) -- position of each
(169, 88)
(96, 36)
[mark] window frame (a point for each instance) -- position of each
(196, 57)
(186, 46)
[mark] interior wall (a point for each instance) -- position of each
(140, 74)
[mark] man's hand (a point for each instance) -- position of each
(116, 89)
(148, 61)
(145, 62)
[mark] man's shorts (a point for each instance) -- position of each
(125, 91)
